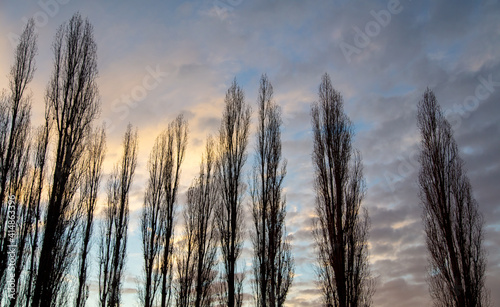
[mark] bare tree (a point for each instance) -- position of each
(176, 138)
(151, 220)
(28, 216)
(203, 197)
(233, 140)
(89, 189)
(273, 262)
(452, 221)
(157, 221)
(113, 242)
(198, 253)
(72, 99)
(15, 112)
(185, 262)
(18, 224)
(341, 230)
(35, 207)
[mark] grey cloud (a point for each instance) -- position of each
(438, 44)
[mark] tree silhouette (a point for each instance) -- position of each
(157, 221)
(15, 113)
(452, 221)
(176, 136)
(233, 140)
(113, 244)
(151, 220)
(72, 100)
(197, 258)
(30, 230)
(89, 190)
(273, 262)
(28, 215)
(341, 229)
(50, 178)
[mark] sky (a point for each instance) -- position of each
(158, 59)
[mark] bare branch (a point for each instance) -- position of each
(341, 233)
(72, 101)
(15, 113)
(452, 221)
(273, 262)
(113, 245)
(89, 189)
(197, 257)
(233, 140)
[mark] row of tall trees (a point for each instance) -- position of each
(46, 240)
(214, 213)
(65, 160)
(34, 262)
(40, 236)
(158, 213)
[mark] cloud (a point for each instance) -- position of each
(199, 50)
